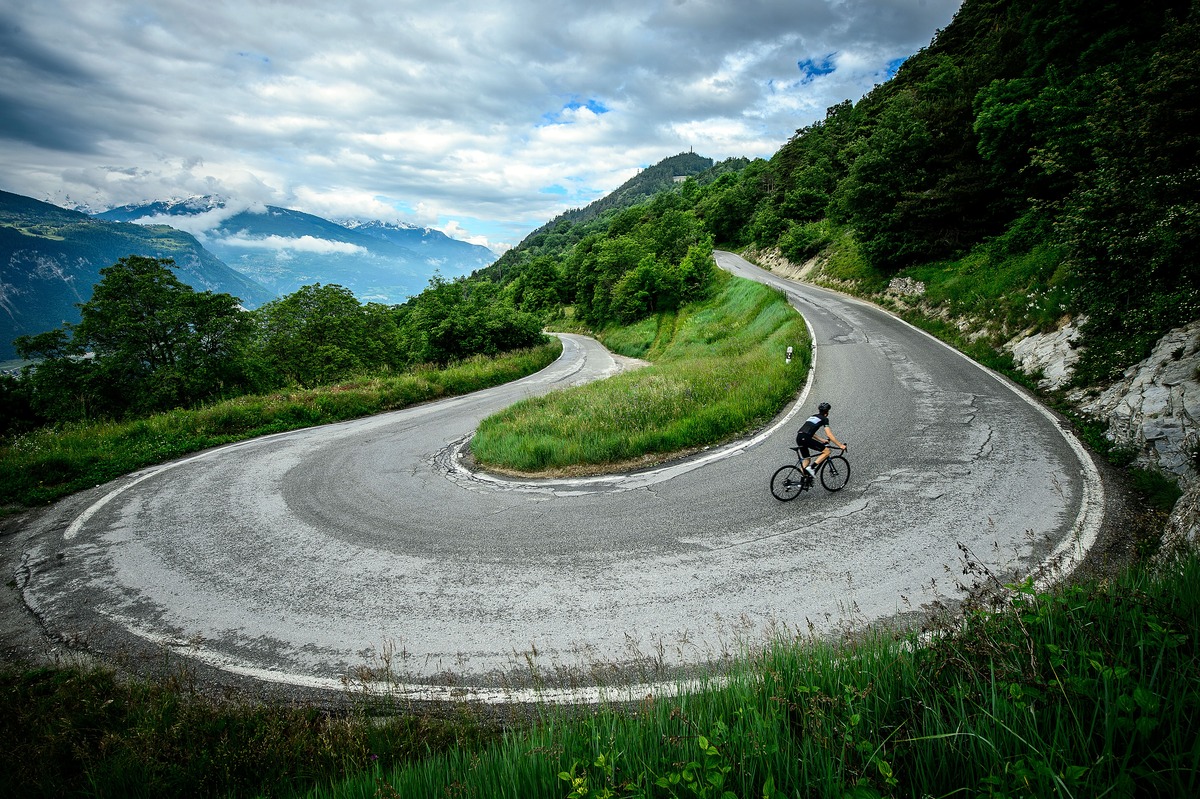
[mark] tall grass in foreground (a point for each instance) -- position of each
(1084, 691)
(718, 370)
(1090, 690)
(48, 464)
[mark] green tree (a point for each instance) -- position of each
(455, 319)
(728, 204)
(157, 342)
(146, 341)
(649, 287)
(322, 334)
(697, 271)
(598, 269)
(538, 289)
(669, 232)
(809, 167)
(59, 387)
(1133, 224)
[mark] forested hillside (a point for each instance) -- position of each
(1042, 155)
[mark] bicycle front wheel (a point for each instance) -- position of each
(835, 473)
(787, 482)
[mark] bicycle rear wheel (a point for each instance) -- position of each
(835, 473)
(787, 482)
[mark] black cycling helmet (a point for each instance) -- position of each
(824, 407)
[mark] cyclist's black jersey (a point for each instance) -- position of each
(811, 425)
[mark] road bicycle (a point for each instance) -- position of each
(790, 480)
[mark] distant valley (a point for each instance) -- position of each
(50, 257)
(284, 249)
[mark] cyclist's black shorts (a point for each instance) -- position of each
(807, 443)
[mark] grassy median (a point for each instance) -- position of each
(717, 371)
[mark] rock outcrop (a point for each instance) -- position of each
(772, 259)
(1155, 407)
(1183, 527)
(1052, 354)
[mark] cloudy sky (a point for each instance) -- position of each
(484, 119)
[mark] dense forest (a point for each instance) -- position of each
(1054, 143)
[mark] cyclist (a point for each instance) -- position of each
(807, 439)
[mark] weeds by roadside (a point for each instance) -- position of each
(82, 732)
(1086, 689)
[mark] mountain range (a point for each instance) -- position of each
(51, 257)
(284, 249)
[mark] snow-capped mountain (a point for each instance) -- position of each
(285, 249)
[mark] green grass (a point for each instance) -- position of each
(1006, 284)
(80, 732)
(843, 262)
(991, 285)
(1086, 690)
(1016, 291)
(718, 370)
(48, 464)
(1091, 689)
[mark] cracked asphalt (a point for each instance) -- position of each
(370, 547)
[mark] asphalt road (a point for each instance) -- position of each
(368, 549)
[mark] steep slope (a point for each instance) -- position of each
(563, 231)
(638, 189)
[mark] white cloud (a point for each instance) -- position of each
(200, 224)
(458, 111)
(456, 231)
(301, 244)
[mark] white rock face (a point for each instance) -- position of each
(773, 259)
(1155, 407)
(906, 287)
(1052, 353)
(1184, 524)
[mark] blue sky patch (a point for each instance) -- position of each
(813, 67)
(555, 189)
(591, 104)
(894, 66)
